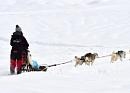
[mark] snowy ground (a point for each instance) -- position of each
(58, 30)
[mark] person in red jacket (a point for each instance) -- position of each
(19, 50)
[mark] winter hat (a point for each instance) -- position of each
(18, 31)
(18, 28)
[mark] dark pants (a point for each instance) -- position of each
(17, 59)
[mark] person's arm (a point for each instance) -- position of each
(25, 42)
(11, 40)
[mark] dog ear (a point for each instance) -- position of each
(96, 54)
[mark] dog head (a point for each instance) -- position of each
(96, 54)
(77, 58)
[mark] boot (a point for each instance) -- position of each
(19, 72)
(12, 71)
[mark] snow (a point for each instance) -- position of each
(58, 30)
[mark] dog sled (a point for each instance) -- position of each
(43, 68)
(32, 65)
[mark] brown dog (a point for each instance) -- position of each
(87, 59)
(90, 58)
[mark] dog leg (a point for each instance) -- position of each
(75, 65)
(120, 59)
(92, 63)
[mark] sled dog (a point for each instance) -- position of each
(87, 59)
(90, 58)
(78, 61)
(118, 55)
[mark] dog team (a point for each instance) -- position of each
(89, 58)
